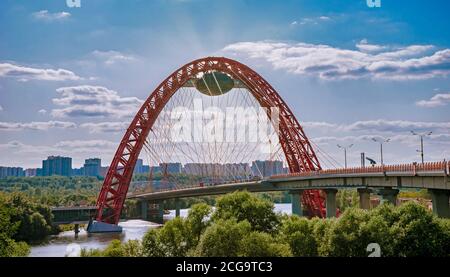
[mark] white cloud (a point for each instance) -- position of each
(311, 20)
(364, 46)
(41, 126)
(77, 149)
(380, 126)
(440, 99)
(85, 145)
(331, 63)
(319, 125)
(395, 126)
(42, 111)
(410, 140)
(106, 127)
(93, 101)
(113, 57)
(47, 16)
(24, 73)
(1, 108)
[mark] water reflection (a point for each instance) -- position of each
(56, 246)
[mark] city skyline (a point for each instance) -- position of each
(344, 87)
(93, 167)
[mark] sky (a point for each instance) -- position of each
(71, 78)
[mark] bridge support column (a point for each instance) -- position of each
(177, 207)
(296, 197)
(77, 229)
(388, 195)
(144, 209)
(156, 212)
(364, 198)
(331, 202)
(440, 199)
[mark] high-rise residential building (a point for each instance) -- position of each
(145, 169)
(235, 170)
(267, 168)
(11, 172)
(92, 167)
(78, 171)
(57, 165)
(171, 167)
(104, 171)
(31, 172)
(138, 168)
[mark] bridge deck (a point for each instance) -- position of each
(428, 176)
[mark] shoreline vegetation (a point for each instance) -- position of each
(245, 222)
(243, 225)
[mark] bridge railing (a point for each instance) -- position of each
(442, 166)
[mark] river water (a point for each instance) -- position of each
(64, 243)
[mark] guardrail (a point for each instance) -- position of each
(413, 168)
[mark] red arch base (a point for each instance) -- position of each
(298, 151)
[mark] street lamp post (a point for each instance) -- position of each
(345, 152)
(421, 135)
(381, 147)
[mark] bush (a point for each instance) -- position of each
(131, 248)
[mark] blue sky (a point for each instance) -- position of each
(349, 72)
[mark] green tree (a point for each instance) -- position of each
(298, 233)
(259, 244)
(345, 238)
(418, 232)
(151, 245)
(9, 247)
(223, 238)
(176, 237)
(242, 205)
(197, 219)
(132, 248)
(32, 224)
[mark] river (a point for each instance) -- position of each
(64, 243)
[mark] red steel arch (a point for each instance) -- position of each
(299, 154)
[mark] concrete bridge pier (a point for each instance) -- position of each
(364, 198)
(331, 202)
(144, 209)
(388, 195)
(296, 200)
(156, 212)
(440, 199)
(77, 229)
(177, 207)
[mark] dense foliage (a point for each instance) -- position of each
(245, 225)
(22, 221)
